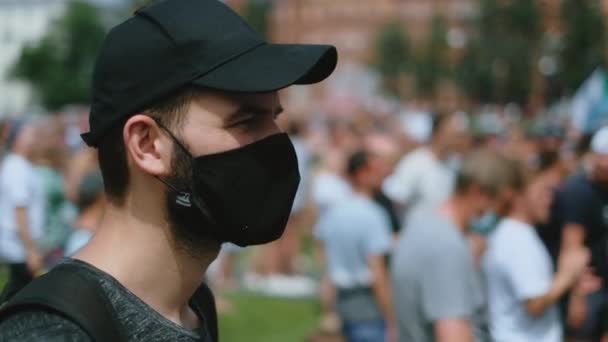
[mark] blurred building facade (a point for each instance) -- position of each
(353, 24)
(22, 22)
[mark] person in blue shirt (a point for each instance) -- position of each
(356, 236)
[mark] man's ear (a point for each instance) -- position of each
(146, 145)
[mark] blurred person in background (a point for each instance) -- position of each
(330, 183)
(4, 128)
(91, 207)
(83, 159)
(414, 129)
(330, 186)
(356, 238)
(424, 178)
(523, 291)
(22, 209)
(563, 168)
(439, 296)
(384, 144)
(582, 149)
(551, 138)
(50, 158)
(578, 308)
(580, 218)
(555, 171)
(521, 144)
(79, 163)
(386, 151)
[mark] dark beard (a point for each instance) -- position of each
(188, 224)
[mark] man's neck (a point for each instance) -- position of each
(521, 216)
(18, 153)
(438, 151)
(456, 209)
(138, 251)
(363, 191)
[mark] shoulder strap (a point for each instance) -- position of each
(205, 303)
(79, 298)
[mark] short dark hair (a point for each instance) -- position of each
(356, 162)
(168, 111)
(438, 119)
(547, 159)
(583, 144)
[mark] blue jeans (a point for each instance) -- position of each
(365, 331)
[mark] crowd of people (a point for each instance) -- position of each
(500, 237)
(52, 196)
(425, 229)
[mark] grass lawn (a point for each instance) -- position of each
(266, 319)
(261, 319)
(2, 277)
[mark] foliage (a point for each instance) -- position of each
(392, 50)
(256, 15)
(59, 66)
(391, 54)
(500, 61)
(432, 64)
(584, 41)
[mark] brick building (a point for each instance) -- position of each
(353, 24)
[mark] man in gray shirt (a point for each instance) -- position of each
(437, 291)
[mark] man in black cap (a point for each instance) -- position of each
(183, 117)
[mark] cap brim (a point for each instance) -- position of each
(271, 67)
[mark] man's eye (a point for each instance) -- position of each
(245, 123)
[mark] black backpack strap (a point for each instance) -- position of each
(77, 297)
(204, 302)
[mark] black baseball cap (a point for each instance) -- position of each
(174, 43)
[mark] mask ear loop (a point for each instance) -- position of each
(184, 198)
(173, 137)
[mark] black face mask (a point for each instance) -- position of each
(243, 196)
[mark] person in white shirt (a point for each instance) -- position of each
(424, 178)
(523, 290)
(22, 210)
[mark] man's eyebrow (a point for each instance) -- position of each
(259, 110)
(246, 111)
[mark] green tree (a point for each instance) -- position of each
(584, 41)
(431, 66)
(60, 65)
(256, 15)
(391, 54)
(501, 57)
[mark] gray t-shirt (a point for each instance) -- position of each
(139, 321)
(434, 278)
